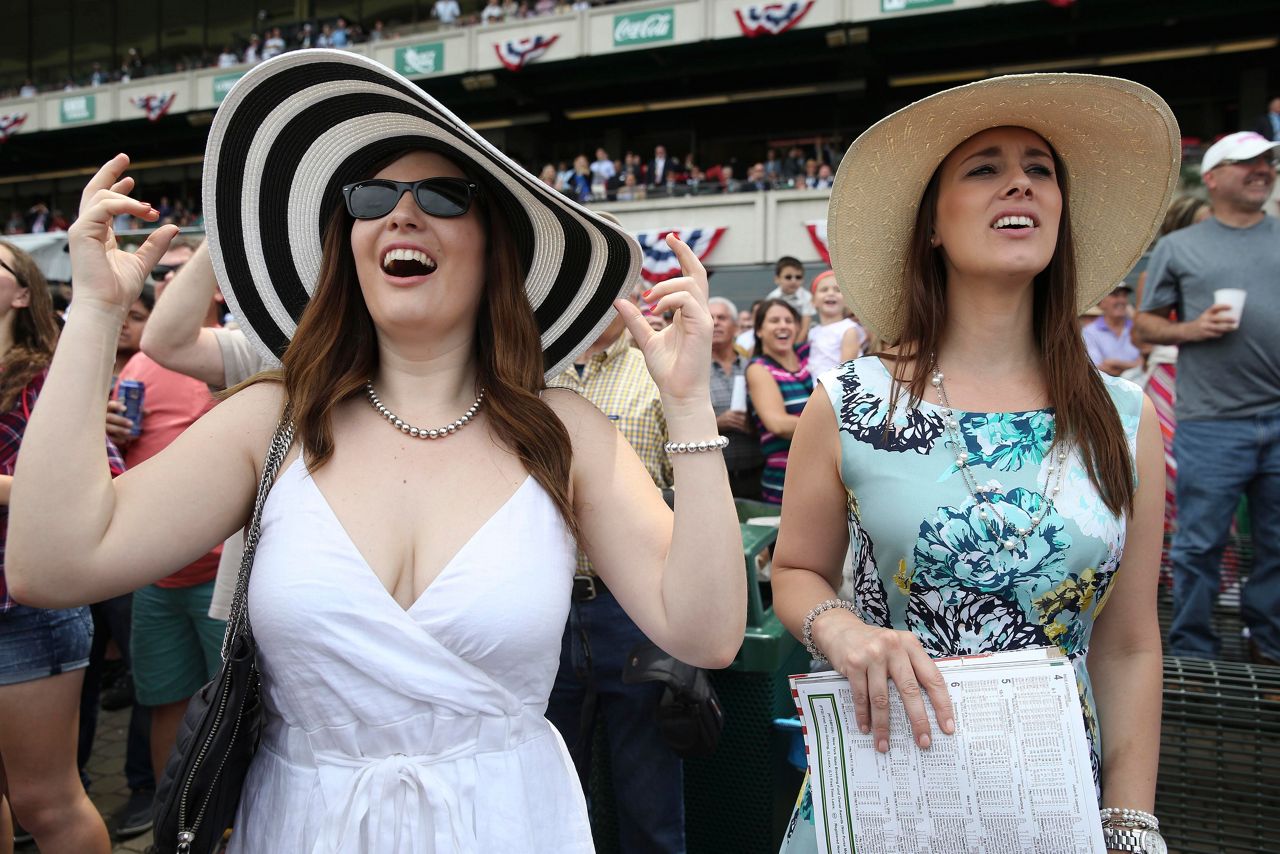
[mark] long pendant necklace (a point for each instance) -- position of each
(1009, 534)
(421, 432)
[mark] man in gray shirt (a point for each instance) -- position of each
(742, 457)
(1227, 441)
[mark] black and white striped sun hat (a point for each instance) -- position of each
(298, 127)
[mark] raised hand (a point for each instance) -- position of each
(678, 357)
(103, 273)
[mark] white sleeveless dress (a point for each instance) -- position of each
(390, 731)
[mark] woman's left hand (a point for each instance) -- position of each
(679, 357)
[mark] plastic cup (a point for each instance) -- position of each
(1233, 297)
(738, 399)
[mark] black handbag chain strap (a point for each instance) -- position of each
(238, 616)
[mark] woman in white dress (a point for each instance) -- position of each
(408, 596)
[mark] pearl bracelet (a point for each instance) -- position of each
(817, 611)
(717, 444)
(1129, 818)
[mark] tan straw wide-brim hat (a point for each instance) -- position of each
(1118, 140)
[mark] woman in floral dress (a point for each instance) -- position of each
(995, 491)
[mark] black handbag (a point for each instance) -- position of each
(197, 797)
(690, 717)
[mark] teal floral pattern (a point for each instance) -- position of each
(923, 559)
(1005, 441)
(927, 562)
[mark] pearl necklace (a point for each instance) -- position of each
(421, 432)
(982, 494)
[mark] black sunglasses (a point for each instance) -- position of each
(159, 271)
(442, 197)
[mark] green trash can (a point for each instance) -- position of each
(737, 801)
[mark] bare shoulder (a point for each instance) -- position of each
(592, 434)
(574, 411)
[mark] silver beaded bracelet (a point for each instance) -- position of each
(817, 611)
(1129, 818)
(717, 444)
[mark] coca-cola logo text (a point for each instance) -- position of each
(642, 27)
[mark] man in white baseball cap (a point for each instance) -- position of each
(1237, 148)
(1227, 442)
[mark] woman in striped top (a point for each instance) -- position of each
(779, 383)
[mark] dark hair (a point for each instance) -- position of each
(757, 320)
(147, 297)
(334, 352)
(35, 330)
(787, 261)
(1084, 414)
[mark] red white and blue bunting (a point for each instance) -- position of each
(155, 106)
(517, 53)
(769, 19)
(660, 263)
(818, 234)
(9, 124)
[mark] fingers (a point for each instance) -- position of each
(888, 655)
(119, 429)
(153, 249)
(935, 686)
(861, 698)
(639, 328)
(682, 292)
(670, 286)
(106, 204)
(689, 264)
(904, 679)
(105, 178)
(878, 699)
(678, 301)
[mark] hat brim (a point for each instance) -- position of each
(1118, 140)
(298, 127)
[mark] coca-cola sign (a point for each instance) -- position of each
(658, 25)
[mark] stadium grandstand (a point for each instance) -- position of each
(740, 96)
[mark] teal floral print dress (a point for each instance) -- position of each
(922, 560)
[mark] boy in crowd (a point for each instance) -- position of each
(788, 276)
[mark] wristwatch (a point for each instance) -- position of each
(1135, 839)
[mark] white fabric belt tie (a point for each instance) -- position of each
(402, 798)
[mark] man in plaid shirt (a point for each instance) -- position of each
(647, 775)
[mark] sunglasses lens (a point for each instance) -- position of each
(159, 271)
(372, 200)
(445, 197)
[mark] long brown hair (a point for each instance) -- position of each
(1084, 414)
(335, 351)
(35, 330)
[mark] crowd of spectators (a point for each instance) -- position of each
(40, 217)
(630, 179)
(335, 33)
(633, 177)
